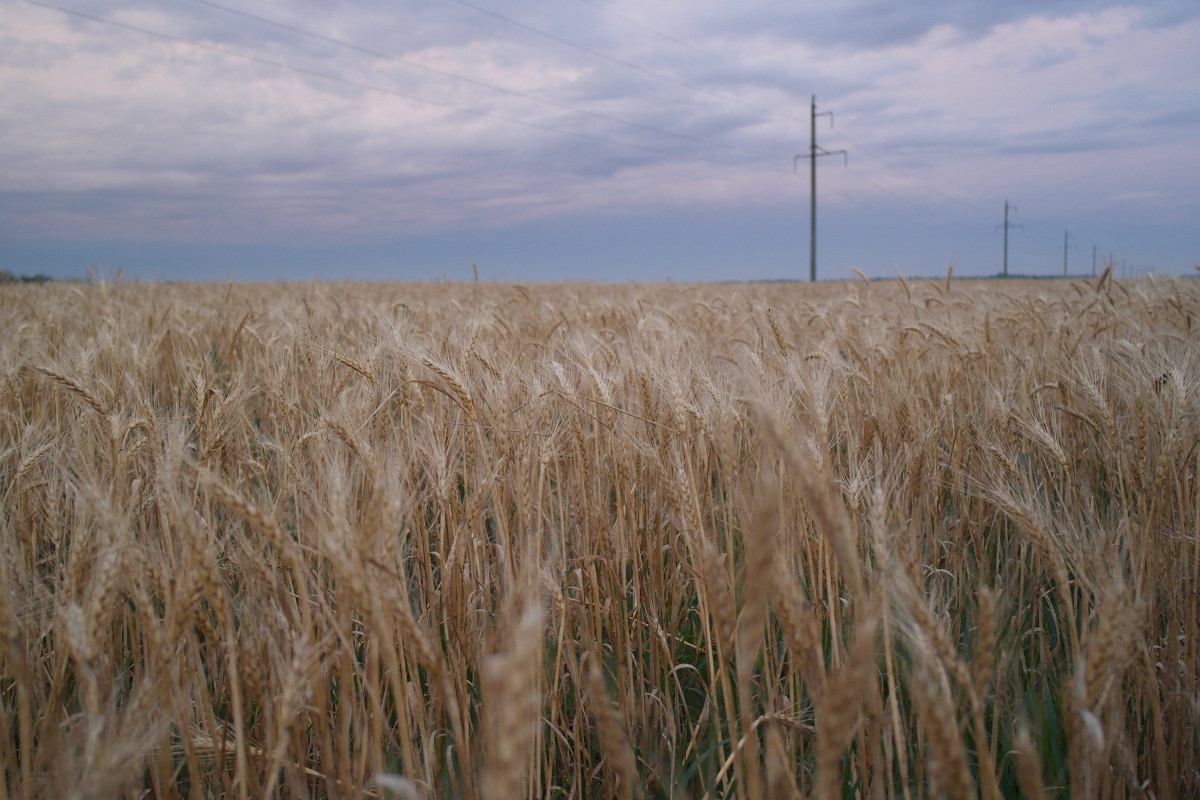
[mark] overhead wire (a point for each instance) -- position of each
(614, 59)
(926, 210)
(917, 206)
(388, 91)
(758, 76)
(476, 82)
(765, 79)
(504, 90)
(905, 174)
(855, 200)
(926, 213)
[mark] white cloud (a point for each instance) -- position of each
(1138, 197)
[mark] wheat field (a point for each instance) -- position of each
(880, 540)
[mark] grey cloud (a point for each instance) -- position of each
(1168, 13)
(882, 23)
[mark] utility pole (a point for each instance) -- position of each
(1093, 261)
(1006, 227)
(813, 152)
(1066, 240)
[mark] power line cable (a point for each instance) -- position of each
(475, 82)
(853, 200)
(382, 90)
(908, 175)
(699, 51)
(686, 45)
(440, 104)
(667, 37)
(925, 210)
(599, 54)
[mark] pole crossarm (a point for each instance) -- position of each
(821, 151)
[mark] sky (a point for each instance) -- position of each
(596, 140)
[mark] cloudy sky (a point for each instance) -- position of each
(595, 139)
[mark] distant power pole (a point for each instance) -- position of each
(1007, 225)
(1093, 261)
(813, 152)
(1066, 245)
